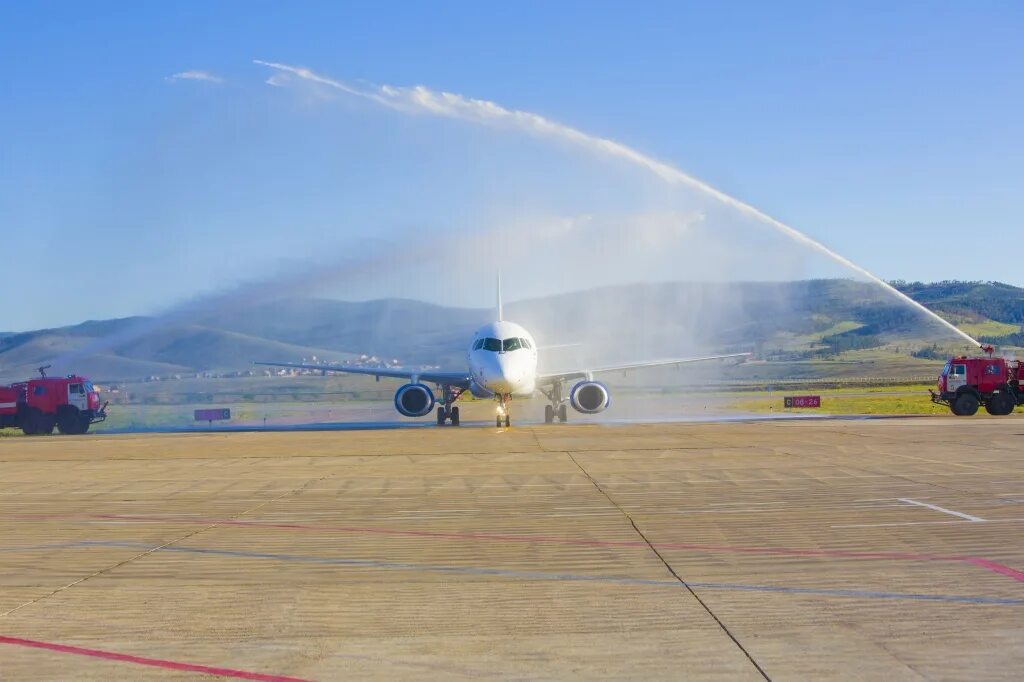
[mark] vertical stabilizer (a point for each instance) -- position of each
(500, 313)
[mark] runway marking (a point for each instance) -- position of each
(998, 568)
(152, 662)
(541, 575)
(33, 548)
(495, 537)
(937, 508)
(918, 523)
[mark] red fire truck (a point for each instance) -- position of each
(967, 383)
(36, 406)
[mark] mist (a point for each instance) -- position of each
(605, 250)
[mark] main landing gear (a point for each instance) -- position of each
(557, 407)
(448, 412)
(550, 412)
(504, 411)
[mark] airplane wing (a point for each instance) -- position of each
(584, 374)
(458, 379)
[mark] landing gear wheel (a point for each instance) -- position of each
(441, 416)
(965, 405)
(455, 416)
(549, 414)
(508, 421)
(999, 404)
(497, 421)
(563, 414)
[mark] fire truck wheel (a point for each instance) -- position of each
(966, 404)
(999, 405)
(69, 420)
(46, 424)
(30, 422)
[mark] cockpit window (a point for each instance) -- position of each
(479, 344)
(526, 344)
(512, 344)
(492, 345)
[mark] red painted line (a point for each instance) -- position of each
(732, 549)
(789, 551)
(153, 662)
(998, 568)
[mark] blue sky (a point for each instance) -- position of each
(891, 132)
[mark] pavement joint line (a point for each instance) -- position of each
(941, 463)
(154, 549)
(937, 508)
(882, 474)
(668, 566)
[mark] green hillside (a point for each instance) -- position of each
(990, 311)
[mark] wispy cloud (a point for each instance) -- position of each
(278, 80)
(204, 76)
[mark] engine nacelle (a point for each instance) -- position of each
(589, 397)
(414, 400)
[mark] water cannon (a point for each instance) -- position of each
(988, 350)
(42, 370)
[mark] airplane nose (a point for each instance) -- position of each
(503, 375)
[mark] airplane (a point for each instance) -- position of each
(502, 364)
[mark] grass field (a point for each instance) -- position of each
(909, 400)
(986, 327)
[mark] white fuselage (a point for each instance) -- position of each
(503, 360)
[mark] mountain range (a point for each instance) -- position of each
(777, 320)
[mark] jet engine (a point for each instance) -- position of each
(414, 400)
(589, 397)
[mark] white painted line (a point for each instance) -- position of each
(919, 523)
(941, 509)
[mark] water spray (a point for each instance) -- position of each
(422, 100)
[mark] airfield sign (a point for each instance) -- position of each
(802, 401)
(212, 415)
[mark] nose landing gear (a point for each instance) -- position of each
(504, 413)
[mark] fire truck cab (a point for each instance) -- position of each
(968, 383)
(71, 404)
